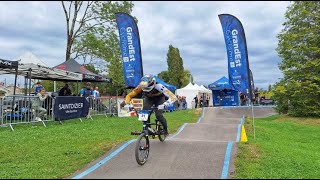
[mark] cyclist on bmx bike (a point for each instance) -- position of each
(154, 94)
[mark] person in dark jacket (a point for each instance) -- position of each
(196, 100)
(65, 91)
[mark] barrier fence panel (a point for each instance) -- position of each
(25, 110)
(105, 105)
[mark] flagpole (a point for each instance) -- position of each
(254, 128)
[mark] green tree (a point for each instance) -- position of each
(91, 68)
(175, 66)
(186, 78)
(164, 75)
(98, 37)
(299, 47)
(76, 28)
(269, 87)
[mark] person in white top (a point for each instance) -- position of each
(96, 93)
(96, 98)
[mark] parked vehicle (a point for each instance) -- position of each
(266, 102)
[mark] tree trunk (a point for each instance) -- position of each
(68, 50)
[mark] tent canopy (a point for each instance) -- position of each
(37, 71)
(74, 66)
(30, 58)
(222, 83)
(205, 89)
(201, 88)
(222, 97)
(190, 91)
(188, 87)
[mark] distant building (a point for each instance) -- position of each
(11, 89)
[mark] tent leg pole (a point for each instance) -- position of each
(29, 82)
(54, 86)
(26, 85)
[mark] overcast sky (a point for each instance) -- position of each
(193, 27)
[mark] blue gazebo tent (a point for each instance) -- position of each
(169, 86)
(223, 93)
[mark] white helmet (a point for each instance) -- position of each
(147, 83)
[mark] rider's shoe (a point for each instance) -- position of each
(166, 133)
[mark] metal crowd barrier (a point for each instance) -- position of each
(23, 112)
(106, 105)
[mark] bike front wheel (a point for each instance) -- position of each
(161, 135)
(142, 149)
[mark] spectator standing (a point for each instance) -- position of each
(196, 101)
(37, 88)
(184, 103)
(65, 90)
(243, 99)
(256, 95)
(87, 92)
(207, 100)
(96, 97)
(96, 93)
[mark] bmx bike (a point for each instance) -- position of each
(149, 129)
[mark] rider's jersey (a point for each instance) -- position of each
(158, 90)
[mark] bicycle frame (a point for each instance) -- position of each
(147, 129)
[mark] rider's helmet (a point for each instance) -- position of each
(147, 83)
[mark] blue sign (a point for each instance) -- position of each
(225, 97)
(70, 107)
(130, 49)
(238, 63)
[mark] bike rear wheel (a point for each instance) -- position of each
(142, 149)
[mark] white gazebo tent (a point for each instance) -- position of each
(189, 92)
(30, 58)
(197, 86)
(209, 92)
(203, 90)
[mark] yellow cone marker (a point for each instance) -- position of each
(243, 135)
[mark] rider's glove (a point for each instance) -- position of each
(164, 105)
(161, 107)
(127, 107)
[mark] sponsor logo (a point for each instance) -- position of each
(127, 47)
(6, 63)
(71, 106)
(234, 54)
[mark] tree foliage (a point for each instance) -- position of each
(298, 93)
(97, 38)
(164, 75)
(186, 78)
(175, 66)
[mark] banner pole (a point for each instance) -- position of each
(254, 128)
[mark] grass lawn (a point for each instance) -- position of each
(285, 148)
(59, 150)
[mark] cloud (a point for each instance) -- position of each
(191, 26)
(195, 29)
